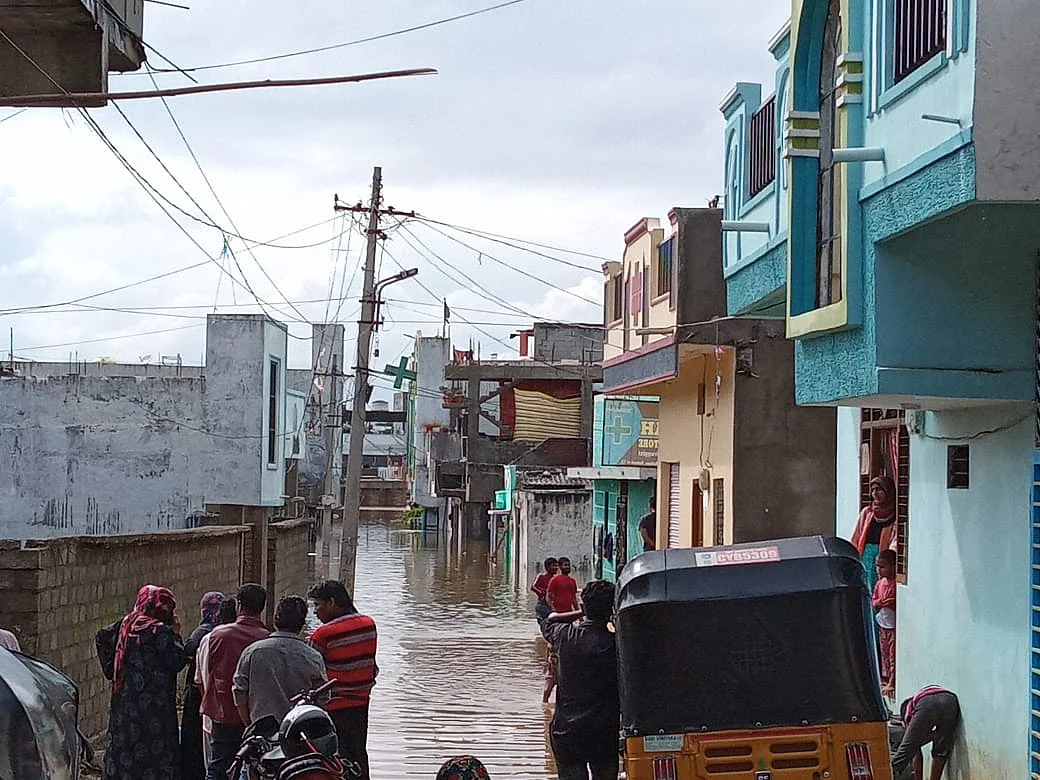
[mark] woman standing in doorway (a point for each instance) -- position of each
(876, 527)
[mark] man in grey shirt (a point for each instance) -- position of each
(273, 670)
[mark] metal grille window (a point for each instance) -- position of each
(920, 34)
(718, 495)
(885, 449)
(272, 414)
(828, 224)
(665, 266)
(958, 467)
(674, 506)
(762, 152)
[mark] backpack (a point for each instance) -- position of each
(105, 641)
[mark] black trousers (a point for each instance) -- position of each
(224, 744)
(934, 720)
(352, 731)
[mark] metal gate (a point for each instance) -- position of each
(674, 505)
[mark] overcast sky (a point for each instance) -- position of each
(557, 121)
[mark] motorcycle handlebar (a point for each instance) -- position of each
(310, 696)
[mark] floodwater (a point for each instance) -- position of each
(459, 659)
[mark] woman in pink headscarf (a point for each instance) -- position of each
(142, 728)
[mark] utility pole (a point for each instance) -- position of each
(355, 451)
(369, 322)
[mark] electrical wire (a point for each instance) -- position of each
(109, 338)
(504, 264)
(334, 46)
(13, 115)
(515, 243)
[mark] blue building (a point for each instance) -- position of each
(623, 477)
(908, 138)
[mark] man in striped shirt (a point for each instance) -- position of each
(347, 641)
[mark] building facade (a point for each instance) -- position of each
(737, 461)
(912, 151)
(104, 448)
(623, 477)
(427, 416)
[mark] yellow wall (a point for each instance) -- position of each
(695, 441)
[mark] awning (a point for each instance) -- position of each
(38, 707)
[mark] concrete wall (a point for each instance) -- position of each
(88, 455)
(57, 593)
(964, 613)
(554, 342)
(428, 414)
(783, 459)
(553, 524)
(701, 293)
(1007, 105)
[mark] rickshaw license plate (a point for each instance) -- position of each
(736, 557)
(663, 743)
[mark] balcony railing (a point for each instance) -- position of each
(920, 34)
(762, 151)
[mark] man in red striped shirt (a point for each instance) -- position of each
(347, 641)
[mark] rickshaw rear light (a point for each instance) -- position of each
(860, 766)
(665, 768)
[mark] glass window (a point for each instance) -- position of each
(828, 225)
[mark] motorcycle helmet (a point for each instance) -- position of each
(307, 729)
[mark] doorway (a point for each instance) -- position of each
(697, 515)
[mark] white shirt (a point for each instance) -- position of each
(202, 673)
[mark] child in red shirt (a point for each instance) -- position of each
(540, 586)
(885, 614)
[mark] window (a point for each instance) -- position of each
(957, 467)
(718, 495)
(828, 224)
(665, 265)
(614, 296)
(885, 450)
(674, 505)
(920, 34)
(762, 152)
(272, 414)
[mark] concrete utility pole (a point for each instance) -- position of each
(355, 452)
(369, 322)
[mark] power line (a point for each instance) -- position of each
(334, 46)
(515, 243)
(504, 264)
(108, 338)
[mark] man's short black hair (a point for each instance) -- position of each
(252, 598)
(564, 559)
(334, 591)
(549, 562)
(598, 599)
(291, 614)
(228, 611)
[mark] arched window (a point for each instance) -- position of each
(829, 220)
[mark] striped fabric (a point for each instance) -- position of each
(540, 416)
(348, 645)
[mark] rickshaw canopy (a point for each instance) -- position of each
(759, 635)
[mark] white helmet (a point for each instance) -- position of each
(307, 729)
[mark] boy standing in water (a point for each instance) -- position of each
(885, 614)
(540, 586)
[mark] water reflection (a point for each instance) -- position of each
(460, 665)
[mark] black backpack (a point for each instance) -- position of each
(105, 641)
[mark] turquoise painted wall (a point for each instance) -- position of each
(963, 616)
(841, 365)
(756, 282)
(945, 87)
(604, 513)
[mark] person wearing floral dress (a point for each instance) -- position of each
(463, 768)
(143, 739)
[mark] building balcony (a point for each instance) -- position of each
(68, 45)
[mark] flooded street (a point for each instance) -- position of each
(460, 665)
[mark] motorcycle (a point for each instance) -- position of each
(303, 746)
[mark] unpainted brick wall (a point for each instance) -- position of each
(56, 593)
(290, 567)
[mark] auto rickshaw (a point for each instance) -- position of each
(752, 661)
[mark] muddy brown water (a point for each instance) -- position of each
(459, 658)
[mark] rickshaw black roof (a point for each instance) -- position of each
(784, 566)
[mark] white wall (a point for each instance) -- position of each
(553, 524)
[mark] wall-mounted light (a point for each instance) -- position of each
(741, 226)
